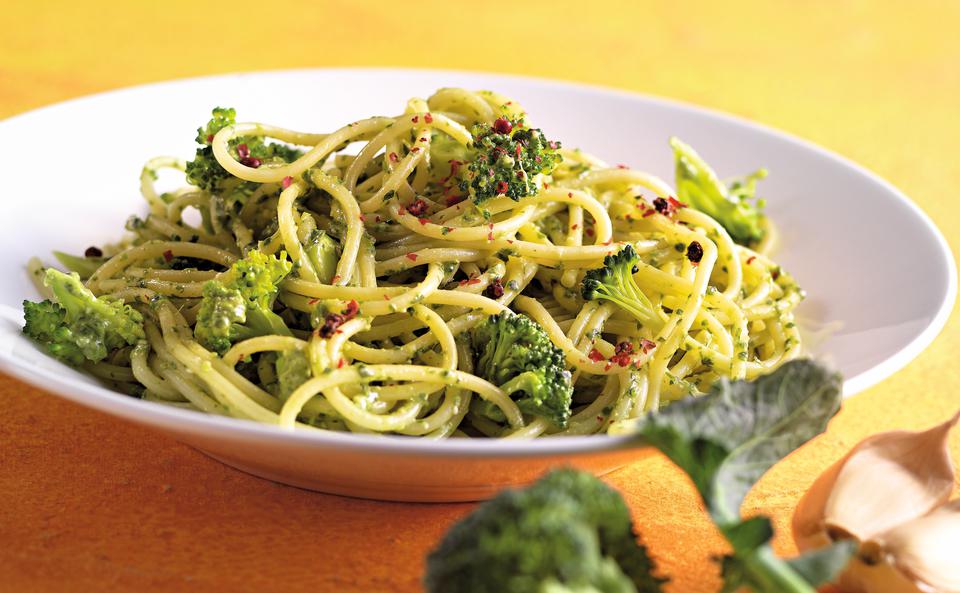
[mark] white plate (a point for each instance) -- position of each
(867, 256)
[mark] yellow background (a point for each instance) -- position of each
(91, 503)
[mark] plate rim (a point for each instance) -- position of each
(180, 421)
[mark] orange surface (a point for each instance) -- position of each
(89, 503)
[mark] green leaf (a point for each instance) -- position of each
(750, 534)
(823, 565)
(729, 438)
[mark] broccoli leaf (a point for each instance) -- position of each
(699, 187)
(726, 440)
(82, 265)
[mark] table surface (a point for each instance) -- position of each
(91, 503)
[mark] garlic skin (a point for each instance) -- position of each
(927, 550)
(885, 481)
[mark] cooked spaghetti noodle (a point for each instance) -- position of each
(381, 332)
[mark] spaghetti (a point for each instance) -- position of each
(426, 248)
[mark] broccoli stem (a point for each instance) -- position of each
(768, 574)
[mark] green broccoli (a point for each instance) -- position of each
(734, 207)
(324, 253)
(206, 173)
(84, 265)
(515, 353)
(293, 370)
(239, 305)
(502, 160)
(78, 326)
(569, 532)
(614, 282)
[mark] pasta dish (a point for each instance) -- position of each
(449, 271)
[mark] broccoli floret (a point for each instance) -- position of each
(614, 282)
(568, 532)
(78, 326)
(502, 160)
(206, 173)
(324, 253)
(239, 305)
(515, 353)
(734, 207)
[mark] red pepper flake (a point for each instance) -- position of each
(647, 345)
(423, 140)
(363, 218)
(695, 252)
(569, 194)
(428, 118)
(599, 418)
(386, 297)
(418, 207)
(415, 118)
(649, 213)
(495, 289)
(250, 161)
(353, 307)
(415, 149)
(393, 157)
(454, 200)
(490, 236)
(546, 185)
(473, 281)
(93, 252)
(677, 204)
(574, 227)
(412, 256)
(243, 151)
(607, 366)
(775, 274)
(589, 232)
(335, 279)
(454, 166)
(313, 301)
(750, 259)
(510, 241)
(622, 166)
(502, 187)
(502, 125)
(209, 138)
(340, 364)
(621, 354)
(423, 220)
(287, 182)
(595, 355)
(377, 218)
(168, 256)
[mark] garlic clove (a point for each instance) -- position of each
(886, 480)
(926, 550)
